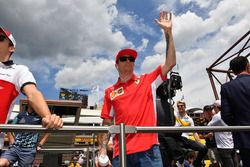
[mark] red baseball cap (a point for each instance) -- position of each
(124, 52)
(9, 36)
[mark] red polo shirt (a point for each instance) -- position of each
(133, 103)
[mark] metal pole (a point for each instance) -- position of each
(93, 151)
(162, 129)
(212, 83)
(122, 146)
(65, 129)
(116, 129)
(87, 158)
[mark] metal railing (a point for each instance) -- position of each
(122, 130)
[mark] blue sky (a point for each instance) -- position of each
(73, 43)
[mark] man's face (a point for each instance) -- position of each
(5, 47)
(216, 109)
(208, 114)
(181, 108)
(125, 64)
(3, 39)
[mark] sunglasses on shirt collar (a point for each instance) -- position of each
(2, 38)
(125, 58)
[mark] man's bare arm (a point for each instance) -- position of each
(42, 141)
(103, 138)
(165, 22)
(38, 103)
(11, 137)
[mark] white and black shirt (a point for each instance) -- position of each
(13, 78)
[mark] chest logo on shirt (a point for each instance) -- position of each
(117, 92)
(137, 81)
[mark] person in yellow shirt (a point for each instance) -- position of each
(183, 119)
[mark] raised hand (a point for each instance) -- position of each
(165, 21)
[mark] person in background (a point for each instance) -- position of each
(23, 145)
(224, 140)
(16, 79)
(131, 100)
(235, 105)
(213, 154)
(182, 119)
(189, 159)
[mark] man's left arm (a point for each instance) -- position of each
(197, 137)
(10, 135)
(37, 102)
(165, 22)
(42, 141)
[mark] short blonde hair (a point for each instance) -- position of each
(181, 102)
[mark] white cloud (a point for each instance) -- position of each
(89, 73)
(151, 62)
(201, 3)
(144, 44)
(187, 28)
(134, 23)
(63, 29)
(165, 5)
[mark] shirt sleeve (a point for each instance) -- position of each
(156, 76)
(106, 109)
(214, 121)
(191, 121)
(24, 77)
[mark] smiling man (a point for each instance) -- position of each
(131, 100)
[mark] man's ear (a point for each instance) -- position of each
(116, 66)
(248, 68)
(12, 48)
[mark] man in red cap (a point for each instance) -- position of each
(131, 100)
(16, 79)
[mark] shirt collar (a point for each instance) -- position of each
(179, 116)
(243, 74)
(8, 63)
(133, 78)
